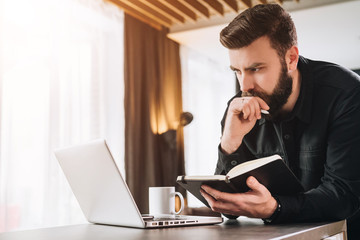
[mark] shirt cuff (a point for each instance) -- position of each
(226, 161)
(276, 213)
(290, 208)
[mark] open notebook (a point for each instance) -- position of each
(103, 194)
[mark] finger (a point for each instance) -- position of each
(246, 111)
(252, 107)
(211, 191)
(254, 184)
(258, 110)
(263, 104)
(207, 197)
(236, 105)
(223, 207)
(211, 201)
(219, 196)
(217, 206)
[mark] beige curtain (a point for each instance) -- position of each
(153, 104)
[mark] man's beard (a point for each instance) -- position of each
(279, 97)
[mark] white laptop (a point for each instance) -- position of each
(103, 194)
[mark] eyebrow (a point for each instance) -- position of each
(254, 65)
(233, 68)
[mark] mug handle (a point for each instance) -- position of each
(181, 201)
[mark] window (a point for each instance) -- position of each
(207, 87)
(61, 83)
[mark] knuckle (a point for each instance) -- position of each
(217, 197)
(252, 99)
(216, 208)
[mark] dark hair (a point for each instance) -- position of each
(269, 20)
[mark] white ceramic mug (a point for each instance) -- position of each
(162, 200)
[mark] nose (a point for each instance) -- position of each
(246, 83)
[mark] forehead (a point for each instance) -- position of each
(259, 51)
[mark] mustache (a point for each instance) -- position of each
(247, 94)
(253, 93)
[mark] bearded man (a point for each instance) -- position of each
(313, 124)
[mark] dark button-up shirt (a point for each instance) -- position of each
(319, 141)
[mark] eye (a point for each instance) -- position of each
(255, 69)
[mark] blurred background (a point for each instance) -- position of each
(127, 71)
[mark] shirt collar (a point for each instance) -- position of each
(303, 106)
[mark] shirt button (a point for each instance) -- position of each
(233, 162)
(286, 136)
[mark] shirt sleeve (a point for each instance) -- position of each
(228, 161)
(337, 197)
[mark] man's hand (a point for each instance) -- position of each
(240, 119)
(257, 202)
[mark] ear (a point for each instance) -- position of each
(292, 58)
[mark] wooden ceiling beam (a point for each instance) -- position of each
(147, 11)
(180, 8)
(232, 4)
(158, 6)
(138, 15)
(214, 4)
(247, 3)
(164, 13)
(197, 7)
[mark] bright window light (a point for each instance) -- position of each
(61, 83)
